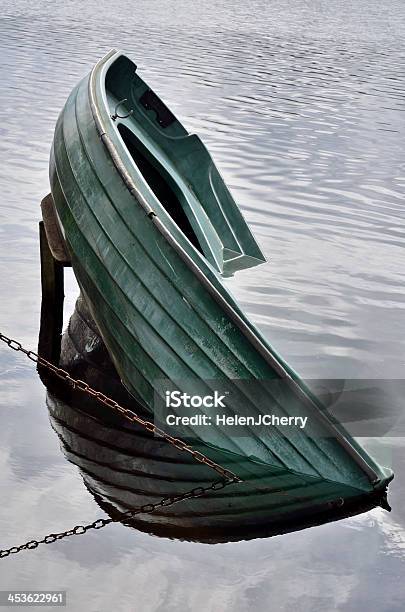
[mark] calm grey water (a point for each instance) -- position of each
(302, 105)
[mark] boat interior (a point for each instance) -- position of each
(179, 172)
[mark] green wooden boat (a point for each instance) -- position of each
(151, 229)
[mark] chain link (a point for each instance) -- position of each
(125, 412)
(169, 500)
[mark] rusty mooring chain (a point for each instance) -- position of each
(125, 412)
(130, 514)
(229, 476)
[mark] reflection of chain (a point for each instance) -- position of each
(145, 509)
(125, 412)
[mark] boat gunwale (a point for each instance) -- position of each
(254, 339)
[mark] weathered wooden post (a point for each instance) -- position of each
(54, 257)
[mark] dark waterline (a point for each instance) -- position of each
(302, 106)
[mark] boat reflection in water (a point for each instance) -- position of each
(124, 467)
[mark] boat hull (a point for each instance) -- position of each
(162, 321)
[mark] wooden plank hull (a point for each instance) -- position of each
(162, 321)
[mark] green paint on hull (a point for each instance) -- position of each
(158, 318)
